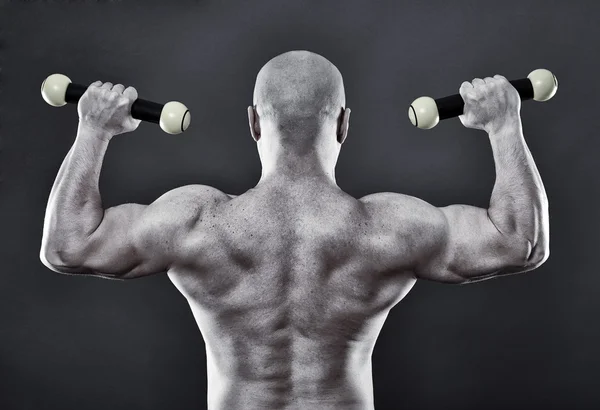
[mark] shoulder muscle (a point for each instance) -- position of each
(180, 208)
(420, 228)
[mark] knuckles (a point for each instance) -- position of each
(104, 94)
(479, 88)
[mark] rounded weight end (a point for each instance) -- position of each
(174, 118)
(54, 88)
(423, 113)
(544, 84)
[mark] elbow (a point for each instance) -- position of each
(527, 255)
(539, 254)
(74, 261)
(60, 260)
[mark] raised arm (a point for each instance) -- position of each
(461, 243)
(130, 240)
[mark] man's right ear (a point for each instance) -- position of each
(254, 123)
(343, 124)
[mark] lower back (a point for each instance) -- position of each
(269, 395)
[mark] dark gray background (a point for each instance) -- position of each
(529, 341)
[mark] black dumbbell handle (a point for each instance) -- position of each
(453, 105)
(141, 109)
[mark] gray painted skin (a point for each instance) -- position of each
(291, 282)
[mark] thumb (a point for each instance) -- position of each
(130, 93)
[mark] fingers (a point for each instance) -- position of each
(118, 88)
(108, 86)
(115, 90)
(465, 87)
(131, 93)
(479, 82)
(497, 79)
(470, 89)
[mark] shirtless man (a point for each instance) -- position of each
(291, 282)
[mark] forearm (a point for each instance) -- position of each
(518, 206)
(74, 207)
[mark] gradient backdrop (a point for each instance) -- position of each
(522, 342)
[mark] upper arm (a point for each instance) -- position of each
(453, 244)
(135, 240)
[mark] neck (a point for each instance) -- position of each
(286, 163)
(302, 154)
(296, 172)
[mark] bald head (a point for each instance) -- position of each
(299, 87)
(299, 119)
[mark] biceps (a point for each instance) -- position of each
(472, 248)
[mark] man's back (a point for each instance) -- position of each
(290, 284)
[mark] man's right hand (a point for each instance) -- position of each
(107, 108)
(490, 104)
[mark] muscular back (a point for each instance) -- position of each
(290, 285)
(291, 282)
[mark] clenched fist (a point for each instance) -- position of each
(107, 108)
(490, 103)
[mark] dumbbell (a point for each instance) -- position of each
(173, 117)
(426, 113)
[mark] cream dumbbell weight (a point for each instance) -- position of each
(173, 117)
(426, 113)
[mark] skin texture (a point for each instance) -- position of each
(291, 282)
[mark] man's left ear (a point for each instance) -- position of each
(254, 123)
(343, 125)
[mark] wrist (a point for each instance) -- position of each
(88, 129)
(508, 124)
